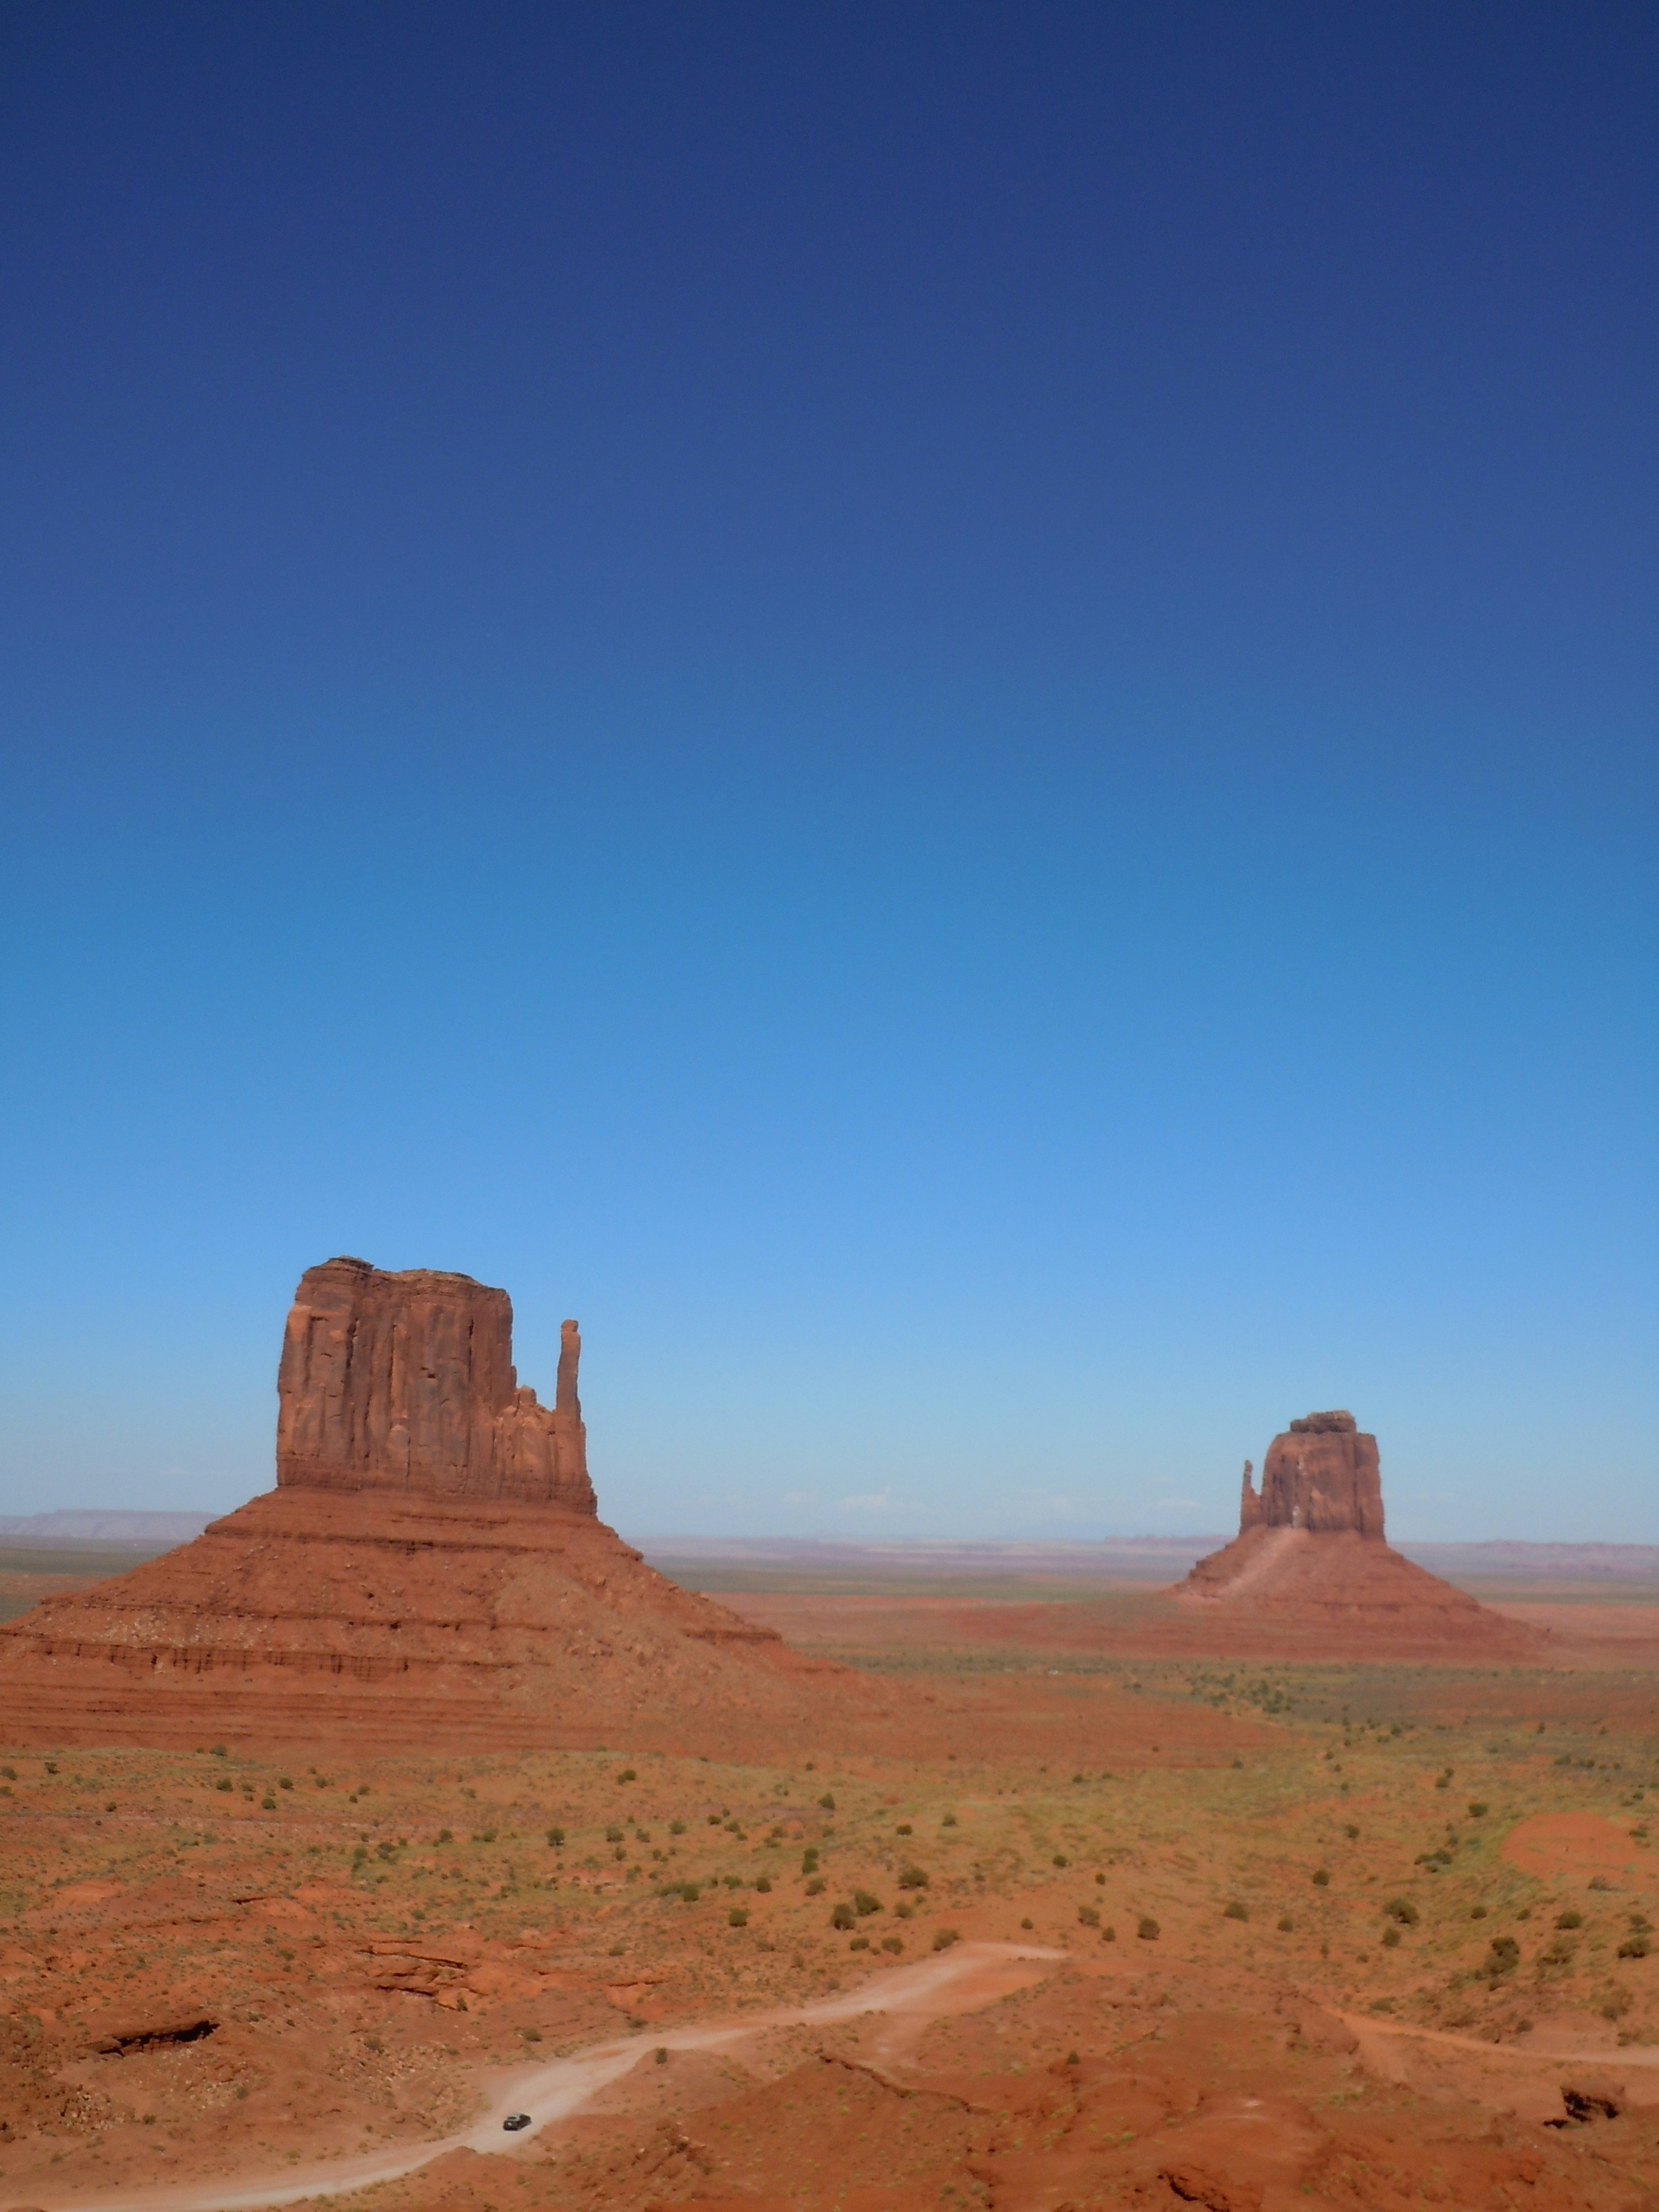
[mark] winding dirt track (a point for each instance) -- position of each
(961, 1979)
(1369, 2029)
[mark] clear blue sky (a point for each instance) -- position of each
(944, 711)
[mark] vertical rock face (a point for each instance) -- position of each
(1323, 1474)
(1249, 1504)
(405, 1381)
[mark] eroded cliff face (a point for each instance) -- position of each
(1323, 1474)
(405, 1381)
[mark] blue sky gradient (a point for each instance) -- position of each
(946, 713)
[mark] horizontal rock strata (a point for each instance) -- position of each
(410, 1617)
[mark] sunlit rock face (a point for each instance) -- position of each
(405, 1381)
(1322, 1473)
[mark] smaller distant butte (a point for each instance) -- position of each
(1310, 1573)
(430, 1569)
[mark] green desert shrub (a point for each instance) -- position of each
(841, 1915)
(1235, 1910)
(1149, 1931)
(1402, 1910)
(944, 1938)
(913, 1877)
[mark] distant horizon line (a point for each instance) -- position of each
(64, 1520)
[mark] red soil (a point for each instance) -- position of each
(1558, 1847)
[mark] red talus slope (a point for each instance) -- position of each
(410, 1621)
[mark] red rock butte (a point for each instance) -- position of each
(430, 1569)
(406, 1382)
(1309, 1574)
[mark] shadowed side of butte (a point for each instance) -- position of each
(430, 1568)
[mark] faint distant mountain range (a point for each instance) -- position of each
(1138, 1558)
(155, 1531)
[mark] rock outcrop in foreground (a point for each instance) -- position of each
(1310, 1573)
(430, 1568)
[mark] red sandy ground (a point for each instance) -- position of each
(1219, 2064)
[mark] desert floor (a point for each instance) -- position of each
(1095, 1926)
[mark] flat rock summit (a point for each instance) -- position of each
(430, 1566)
(1311, 1572)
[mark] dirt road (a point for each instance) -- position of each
(958, 1980)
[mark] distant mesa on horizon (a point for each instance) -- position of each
(1311, 1572)
(133, 1529)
